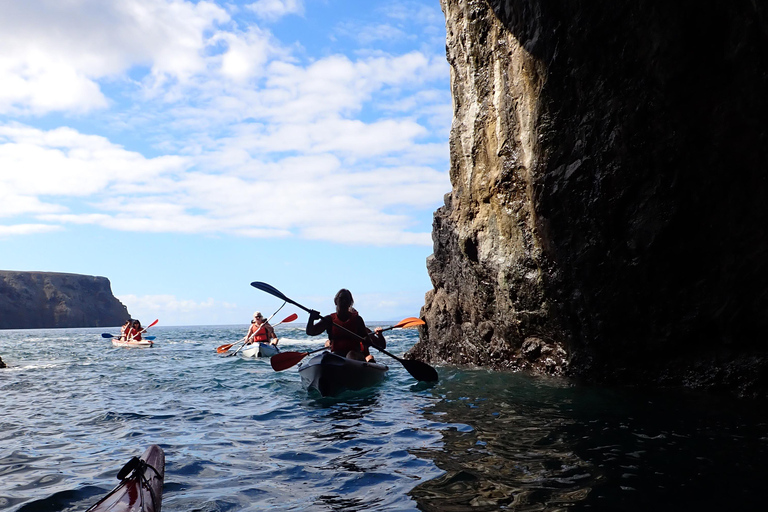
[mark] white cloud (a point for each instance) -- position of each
(27, 229)
(171, 310)
(252, 138)
(275, 9)
(54, 52)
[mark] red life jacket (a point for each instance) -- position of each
(342, 341)
(134, 335)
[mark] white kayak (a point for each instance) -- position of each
(138, 344)
(260, 350)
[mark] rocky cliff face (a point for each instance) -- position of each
(609, 163)
(35, 300)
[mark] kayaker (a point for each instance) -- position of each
(124, 330)
(340, 325)
(263, 331)
(134, 333)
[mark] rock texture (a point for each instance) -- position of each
(36, 300)
(609, 164)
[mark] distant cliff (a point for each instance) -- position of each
(35, 300)
(609, 211)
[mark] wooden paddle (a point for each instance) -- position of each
(290, 318)
(419, 370)
(223, 348)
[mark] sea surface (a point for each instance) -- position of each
(239, 436)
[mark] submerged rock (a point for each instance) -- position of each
(37, 300)
(609, 192)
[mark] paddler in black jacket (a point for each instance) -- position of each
(347, 334)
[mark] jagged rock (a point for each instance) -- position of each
(610, 190)
(36, 300)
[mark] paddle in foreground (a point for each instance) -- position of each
(141, 485)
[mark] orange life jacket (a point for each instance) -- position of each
(342, 341)
(261, 334)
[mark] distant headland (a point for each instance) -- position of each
(39, 300)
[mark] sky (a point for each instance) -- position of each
(184, 149)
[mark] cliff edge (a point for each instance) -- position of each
(609, 203)
(38, 300)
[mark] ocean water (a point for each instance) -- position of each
(240, 437)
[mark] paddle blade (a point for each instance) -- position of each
(268, 288)
(224, 348)
(106, 335)
(410, 322)
(290, 318)
(420, 371)
(285, 360)
(153, 323)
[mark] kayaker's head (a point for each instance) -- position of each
(343, 301)
(136, 324)
(258, 317)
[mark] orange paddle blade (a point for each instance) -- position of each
(224, 348)
(290, 318)
(285, 360)
(410, 322)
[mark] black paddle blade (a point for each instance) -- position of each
(270, 290)
(106, 335)
(420, 371)
(277, 293)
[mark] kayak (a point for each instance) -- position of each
(330, 374)
(141, 485)
(123, 343)
(260, 350)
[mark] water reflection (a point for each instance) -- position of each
(522, 443)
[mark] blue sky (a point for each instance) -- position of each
(184, 149)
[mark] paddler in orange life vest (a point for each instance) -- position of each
(261, 330)
(341, 341)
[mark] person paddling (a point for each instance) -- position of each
(261, 330)
(340, 326)
(134, 333)
(124, 330)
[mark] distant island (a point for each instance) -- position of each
(39, 300)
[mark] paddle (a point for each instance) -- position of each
(285, 360)
(419, 370)
(107, 335)
(145, 330)
(289, 318)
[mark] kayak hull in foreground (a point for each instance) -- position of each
(141, 485)
(138, 344)
(260, 350)
(330, 374)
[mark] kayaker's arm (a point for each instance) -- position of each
(377, 339)
(313, 326)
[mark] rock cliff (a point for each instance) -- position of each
(36, 300)
(609, 203)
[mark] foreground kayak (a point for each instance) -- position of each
(122, 343)
(141, 485)
(330, 374)
(260, 350)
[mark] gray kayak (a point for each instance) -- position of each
(330, 374)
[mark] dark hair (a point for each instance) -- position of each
(341, 292)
